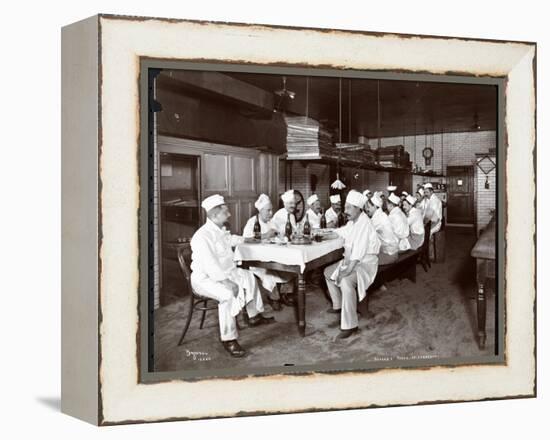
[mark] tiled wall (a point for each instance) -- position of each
(454, 149)
(373, 180)
(485, 199)
(301, 180)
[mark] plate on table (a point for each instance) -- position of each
(301, 240)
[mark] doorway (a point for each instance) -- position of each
(460, 190)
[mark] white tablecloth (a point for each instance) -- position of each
(290, 254)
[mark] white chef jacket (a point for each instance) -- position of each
(434, 213)
(212, 262)
(279, 221)
(314, 219)
(389, 243)
(416, 227)
(400, 227)
(421, 206)
(248, 231)
(360, 243)
(331, 216)
(269, 278)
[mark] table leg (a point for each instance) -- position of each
(301, 304)
(481, 315)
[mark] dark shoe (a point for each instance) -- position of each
(347, 333)
(331, 310)
(274, 303)
(233, 348)
(260, 319)
(288, 300)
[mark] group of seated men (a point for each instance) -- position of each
(376, 229)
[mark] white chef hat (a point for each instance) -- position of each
(355, 198)
(335, 198)
(410, 199)
(367, 192)
(428, 185)
(404, 193)
(312, 199)
(376, 200)
(394, 199)
(262, 202)
(420, 191)
(212, 201)
(288, 196)
(392, 188)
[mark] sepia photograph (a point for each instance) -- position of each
(316, 222)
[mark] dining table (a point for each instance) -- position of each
(298, 259)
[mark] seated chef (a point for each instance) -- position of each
(389, 243)
(285, 213)
(331, 215)
(215, 275)
(415, 220)
(351, 277)
(420, 200)
(398, 222)
(269, 278)
(314, 212)
(434, 208)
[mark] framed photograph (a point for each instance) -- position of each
(262, 220)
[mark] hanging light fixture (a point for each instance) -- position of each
(338, 184)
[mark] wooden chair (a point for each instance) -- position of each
(196, 301)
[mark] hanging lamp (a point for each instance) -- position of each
(338, 184)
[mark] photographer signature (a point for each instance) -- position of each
(200, 356)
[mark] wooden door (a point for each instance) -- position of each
(460, 188)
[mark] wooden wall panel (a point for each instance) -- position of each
(215, 174)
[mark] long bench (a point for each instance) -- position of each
(405, 265)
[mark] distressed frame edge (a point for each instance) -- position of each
(105, 422)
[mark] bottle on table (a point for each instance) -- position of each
(307, 227)
(288, 228)
(257, 229)
(323, 221)
(341, 219)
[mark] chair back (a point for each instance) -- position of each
(184, 262)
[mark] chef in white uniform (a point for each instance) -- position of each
(420, 201)
(367, 193)
(215, 274)
(349, 279)
(398, 222)
(269, 278)
(331, 215)
(389, 243)
(281, 216)
(314, 212)
(434, 208)
(416, 222)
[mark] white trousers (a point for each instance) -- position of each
(270, 279)
(343, 297)
(229, 306)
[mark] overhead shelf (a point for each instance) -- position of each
(349, 163)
